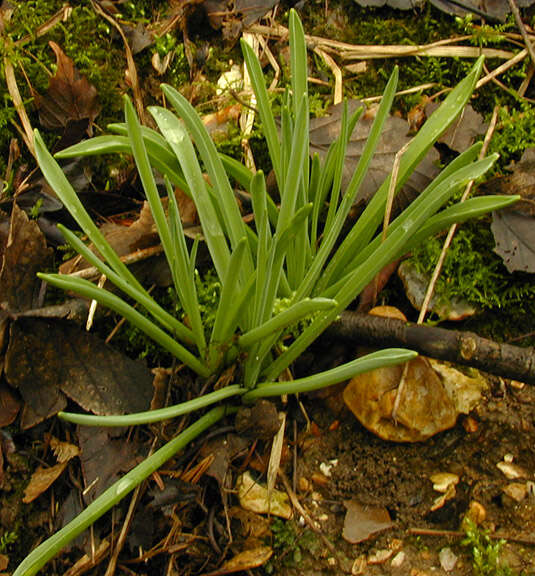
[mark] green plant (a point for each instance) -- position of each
(291, 253)
(6, 540)
(485, 552)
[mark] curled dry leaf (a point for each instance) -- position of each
(254, 497)
(43, 478)
(431, 396)
(246, 560)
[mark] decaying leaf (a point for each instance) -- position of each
(48, 359)
(396, 4)
(464, 131)
(497, 9)
(254, 497)
(25, 254)
(416, 282)
(363, 522)
(245, 560)
(514, 234)
(105, 455)
(9, 405)
(394, 136)
(43, 478)
(431, 396)
(223, 449)
(70, 99)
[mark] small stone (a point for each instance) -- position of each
(508, 458)
(516, 490)
(512, 471)
(380, 556)
(447, 559)
(325, 469)
(443, 480)
(359, 565)
(476, 512)
(304, 484)
(398, 559)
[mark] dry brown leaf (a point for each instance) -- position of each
(245, 561)
(9, 405)
(25, 254)
(514, 234)
(394, 136)
(70, 97)
(48, 358)
(63, 451)
(362, 522)
(41, 480)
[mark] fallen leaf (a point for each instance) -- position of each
(396, 4)
(468, 127)
(431, 396)
(443, 480)
(105, 455)
(363, 522)
(415, 284)
(394, 136)
(254, 497)
(63, 451)
(9, 405)
(223, 450)
(497, 9)
(514, 234)
(25, 254)
(246, 560)
(70, 101)
(41, 480)
(48, 359)
(520, 180)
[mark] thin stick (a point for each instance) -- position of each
(516, 13)
(438, 268)
(13, 90)
(337, 73)
(503, 68)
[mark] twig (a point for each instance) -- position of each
(522, 28)
(459, 534)
(13, 90)
(444, 48)
(62, 15)
(337, 73)
(501, 69)
(451, 232)
(458, 347)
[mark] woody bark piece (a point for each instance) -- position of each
(464, 348)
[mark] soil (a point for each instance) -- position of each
(377, 473)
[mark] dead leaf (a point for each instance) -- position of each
(521, 181)
(70, 103)
(63, 451)
(497, 9)
(394, 136)
(48, 359)
(4, 561)
(105, 455)
(514, 234)
(460, 135)
(362, 522)
(431, 396)
(223, 450)
(254, 497)
(9, 405)
(25, 254)
(415, 284)
(245, 561)
(396, 4)
(41, 480)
